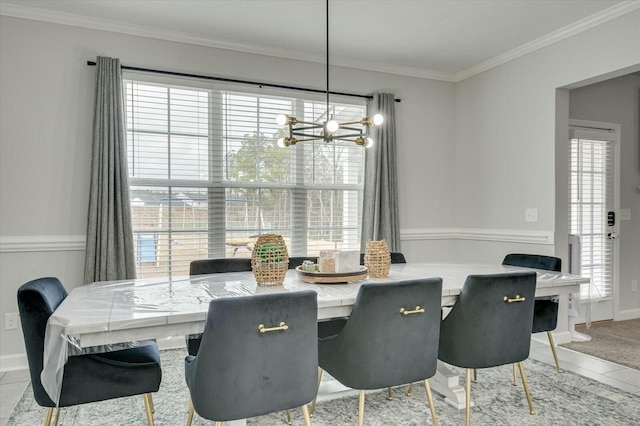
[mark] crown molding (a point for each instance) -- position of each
(17, 11)
(36, 14)
(39, 243)
(551, 38)
(499, 235)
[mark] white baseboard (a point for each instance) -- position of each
(13, 362)
(559, 338)
(627, 315)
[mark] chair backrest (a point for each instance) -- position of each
(535, 261)
(379, 346)
(485, 330)
(241, 372)
(216, 266)
(37, 300)
(396, 257)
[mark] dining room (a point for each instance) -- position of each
(469, 164)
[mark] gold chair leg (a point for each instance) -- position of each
(427, 388)
(307, 417)
(147, 407)
(47, 417)
(409, 389)
(553, 349)
(313, 403)
(55, 422)
(468, 397)
(526, 387)
(389, 397)
(475, 375)
(361, 409)
(153, 408)
(191, 410)
(515, 378)
(218, 423)
(288, 417)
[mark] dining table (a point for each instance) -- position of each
(113, 315)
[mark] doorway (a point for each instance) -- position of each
(592, 207)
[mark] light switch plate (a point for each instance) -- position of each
(624, 214)
(531, 215)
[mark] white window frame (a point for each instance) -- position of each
(217, 227)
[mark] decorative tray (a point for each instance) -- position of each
(332, 278)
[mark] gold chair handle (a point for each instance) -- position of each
(517, 299)
(417, 310)
(283, 326)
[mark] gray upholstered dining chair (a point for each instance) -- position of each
(222, 265)
(86, 378)
(490, 325)
(545, 311)
(259, 354)
(365, 353)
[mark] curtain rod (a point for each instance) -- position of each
(592, 128)
(233, 80)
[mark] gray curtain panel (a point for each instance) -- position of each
(380, 211)
(109, 254)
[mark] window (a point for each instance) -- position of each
(206, 175)
(590, 199)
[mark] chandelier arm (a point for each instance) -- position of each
(310, 139)
(310, 123)
(348, 135)
(354, 129)
(361, 122)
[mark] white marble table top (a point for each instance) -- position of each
(108, 313)
(112, 307)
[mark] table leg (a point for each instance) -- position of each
(447, 384)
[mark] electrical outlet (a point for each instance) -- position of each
(634, 285)
(531, 215)
(11, 321)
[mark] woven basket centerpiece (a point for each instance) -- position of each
(377, 259)
(270, 260)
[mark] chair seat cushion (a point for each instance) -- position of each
(98, 377)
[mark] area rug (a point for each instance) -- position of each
(559, 399)
(615, 341)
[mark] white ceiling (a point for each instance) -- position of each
(448, 40)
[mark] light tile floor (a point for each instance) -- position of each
(13, 383)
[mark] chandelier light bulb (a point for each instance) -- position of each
(368, 143)
(332, 126)
(281, 120)
(378, 119)
(281, 143)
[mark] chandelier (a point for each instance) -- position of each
(330, 129)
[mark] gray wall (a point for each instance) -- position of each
(618, 101)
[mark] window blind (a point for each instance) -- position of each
(591, 197)
(207, 177)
